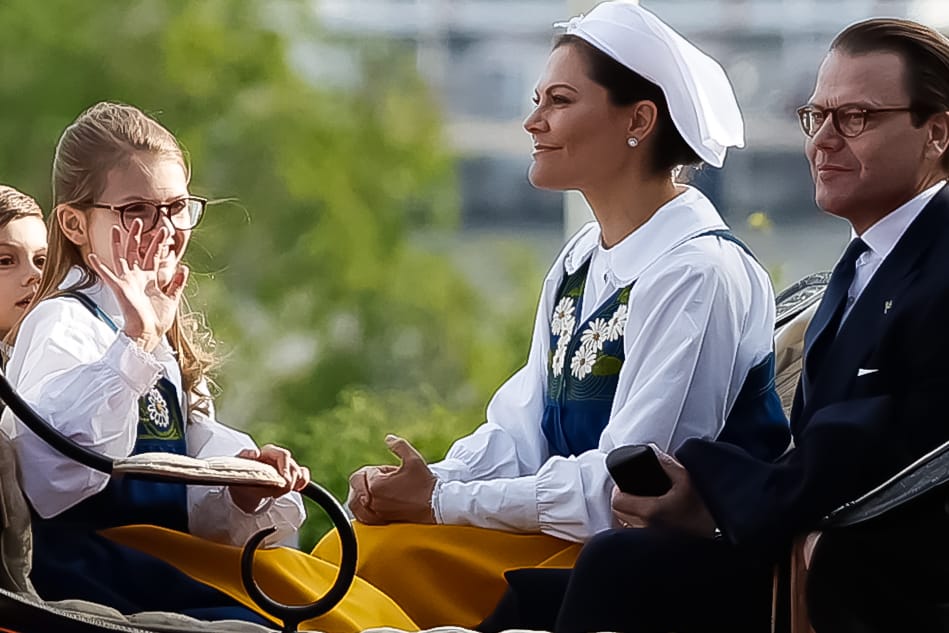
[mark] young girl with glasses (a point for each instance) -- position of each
(110, 356)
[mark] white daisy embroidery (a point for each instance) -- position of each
(158, 409)
(558, 359)
(563, 321)
(617, 323)
(582, 363)
(595, 335)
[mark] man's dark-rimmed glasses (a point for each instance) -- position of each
(848, 120)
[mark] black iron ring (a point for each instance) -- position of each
(293, 615)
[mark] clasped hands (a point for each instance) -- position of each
(390, 494)
(681, 508)
(249, 498)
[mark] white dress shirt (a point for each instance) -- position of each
(701, 315)
(881, 238)
(86, 380)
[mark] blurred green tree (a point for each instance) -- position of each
(336, 326)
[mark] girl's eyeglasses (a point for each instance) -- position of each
(183, 213)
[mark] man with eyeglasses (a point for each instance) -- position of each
(873, 396)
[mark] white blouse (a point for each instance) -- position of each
(700, 316)
(86, 380)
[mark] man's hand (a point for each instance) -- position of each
(387, 494)
(681, 508)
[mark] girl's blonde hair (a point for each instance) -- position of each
(106, 136)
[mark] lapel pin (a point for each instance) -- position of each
(887, 305)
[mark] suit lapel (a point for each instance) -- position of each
(861, 330)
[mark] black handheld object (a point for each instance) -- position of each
(637, 471)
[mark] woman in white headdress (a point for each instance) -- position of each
(654, 326)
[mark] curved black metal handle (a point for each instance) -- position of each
(290, 615)
(48, 434)
(293, 615)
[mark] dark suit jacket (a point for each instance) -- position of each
(879, 401)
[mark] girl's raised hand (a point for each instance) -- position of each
(148, 308)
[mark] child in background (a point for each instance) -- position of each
(22, 254)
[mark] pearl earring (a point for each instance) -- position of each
(632, 141)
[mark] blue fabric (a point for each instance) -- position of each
(757, 422)
(577, 410)
(71, 560)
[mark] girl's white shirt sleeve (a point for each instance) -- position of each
(86, 380)
(212, 513)
(699, 319)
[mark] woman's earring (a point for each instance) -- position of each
(632, 141)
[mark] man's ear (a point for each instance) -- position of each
(938, 142)
(73, 224)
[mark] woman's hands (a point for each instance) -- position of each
(387, 494)
(148, 308)
(249, 498)
(681, 508)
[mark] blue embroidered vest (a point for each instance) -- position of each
(583, 369)
(127, 501)
(72, 559)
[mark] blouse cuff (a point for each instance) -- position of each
(138, 368)
(436, 506)
(263, 507)
(506, 504)
(450, 469)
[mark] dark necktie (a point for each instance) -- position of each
(834, 303)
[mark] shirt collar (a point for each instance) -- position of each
(101, 294)
(682, 218)
(883, 236)
(103, 297)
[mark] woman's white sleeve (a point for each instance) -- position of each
(510, 443)
(681, 339)
(85, 380)
(212, 514)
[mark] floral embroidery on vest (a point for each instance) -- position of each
(155, 419)
(157, 409)
(562, 325)
(589, 357)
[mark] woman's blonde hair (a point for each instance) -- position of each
(106, 136)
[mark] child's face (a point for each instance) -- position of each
(148, 178)
(22, 257)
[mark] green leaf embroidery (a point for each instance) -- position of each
(607, 365)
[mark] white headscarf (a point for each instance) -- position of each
(701, 101)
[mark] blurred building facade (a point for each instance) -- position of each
(482, 58)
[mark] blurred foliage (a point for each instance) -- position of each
(335, 326)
